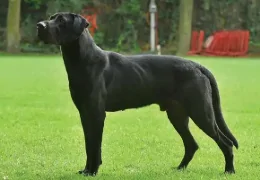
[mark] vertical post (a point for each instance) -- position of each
(153, 10)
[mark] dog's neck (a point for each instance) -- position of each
(81, 50)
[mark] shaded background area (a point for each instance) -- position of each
(124, 25)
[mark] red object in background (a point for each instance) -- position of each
(219, 45)
(197, 38)
(91, 15)
(240, 41)
(228, 43)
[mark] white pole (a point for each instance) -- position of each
(153, 10)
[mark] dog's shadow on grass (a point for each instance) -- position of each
(169, 173)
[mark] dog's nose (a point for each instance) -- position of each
(42, 25)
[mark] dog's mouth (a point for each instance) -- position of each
(44, 34)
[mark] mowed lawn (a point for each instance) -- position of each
(41, 135)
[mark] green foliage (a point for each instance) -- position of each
(129, 8)
(123, 25)
(99, 38)
(123, 35)
(35, 3)
(128, 38)
(131, 14)
(28, 28)
(65, 5)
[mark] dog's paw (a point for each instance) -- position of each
(181, 167)
(86, 172)
(230, 171)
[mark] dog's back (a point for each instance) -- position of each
(140, 80)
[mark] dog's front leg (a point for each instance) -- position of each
(92, 123)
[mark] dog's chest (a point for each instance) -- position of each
(78, 79)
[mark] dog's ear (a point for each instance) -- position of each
(79, 23)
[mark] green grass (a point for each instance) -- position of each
(41, 135)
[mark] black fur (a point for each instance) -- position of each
(102, 81)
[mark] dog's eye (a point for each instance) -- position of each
(62, 20)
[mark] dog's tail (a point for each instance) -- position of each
(216, 105)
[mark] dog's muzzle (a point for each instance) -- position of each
(41, 25)
(42, 31)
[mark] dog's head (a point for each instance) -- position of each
(61, 28)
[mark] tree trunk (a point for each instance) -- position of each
(185, 27)
(13, 26)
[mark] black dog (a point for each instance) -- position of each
(101, 81)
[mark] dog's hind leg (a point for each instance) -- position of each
(200, 110)
(180, 120)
